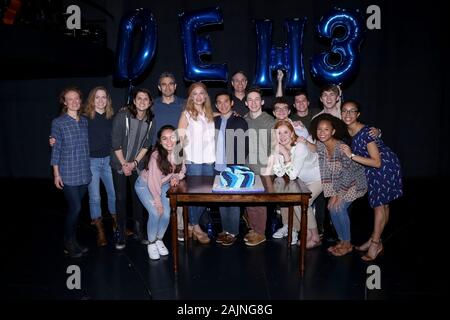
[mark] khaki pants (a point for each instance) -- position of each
(258, 218)
(315, 188)
(180, 225)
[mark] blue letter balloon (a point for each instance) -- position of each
(194, 46)
(130, 68)
(264, 54)
(288, 57)
(346, 47)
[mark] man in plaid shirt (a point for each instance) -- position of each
(70, 161)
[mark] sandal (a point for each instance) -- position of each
(310, 243)
(342, 251)
(313, 244)
(377, 250)
(365, 246)
(335, 247)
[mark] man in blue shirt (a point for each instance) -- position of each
(167, 109)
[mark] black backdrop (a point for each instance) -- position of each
(402, 82)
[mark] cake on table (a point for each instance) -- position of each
(237, 178)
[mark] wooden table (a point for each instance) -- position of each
(198, 189)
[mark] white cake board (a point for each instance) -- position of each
(257, 187)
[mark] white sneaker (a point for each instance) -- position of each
(281, 233)
(153, 251)
(162, 250)
(294, 237)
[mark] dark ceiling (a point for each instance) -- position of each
(31, 54)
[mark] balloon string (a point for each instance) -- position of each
(130, 93)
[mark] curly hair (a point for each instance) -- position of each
(355, 104)
(338, 125)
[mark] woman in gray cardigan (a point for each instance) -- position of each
(131, 140)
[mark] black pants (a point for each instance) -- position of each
(321, 207)
(324, 225)
(121, 188)
(73, 195)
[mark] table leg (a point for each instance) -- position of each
(290, 225)
(185, 226)
(173, 222)
(303, 233)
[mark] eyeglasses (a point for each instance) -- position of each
(352, 112)
(281, 109)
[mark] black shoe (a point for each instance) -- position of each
(116, 235)
(83, 250)
(210, 231)
(71, 249)
(120, 235)
(119, 238)
(139, 234)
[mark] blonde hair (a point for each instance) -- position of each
(89, 108)
(288, 124)
(190, 108)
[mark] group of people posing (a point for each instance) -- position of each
(152, 145)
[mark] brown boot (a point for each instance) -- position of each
(128, 232)
(101, 238)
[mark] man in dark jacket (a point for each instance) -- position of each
(231, 148)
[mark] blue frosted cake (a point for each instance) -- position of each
(237, 177)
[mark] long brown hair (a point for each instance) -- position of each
(132, 107)
(163, 156)
(207, 105)
(89, 108)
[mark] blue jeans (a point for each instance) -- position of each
(101, 169)
(198, 169)
(230, 219)
(73, 195)
(156, 224)
(341, 221)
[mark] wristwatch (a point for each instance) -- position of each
(352, 155)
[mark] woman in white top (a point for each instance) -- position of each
(296, 161)
(196, 131)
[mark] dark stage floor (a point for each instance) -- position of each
(36, 268)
